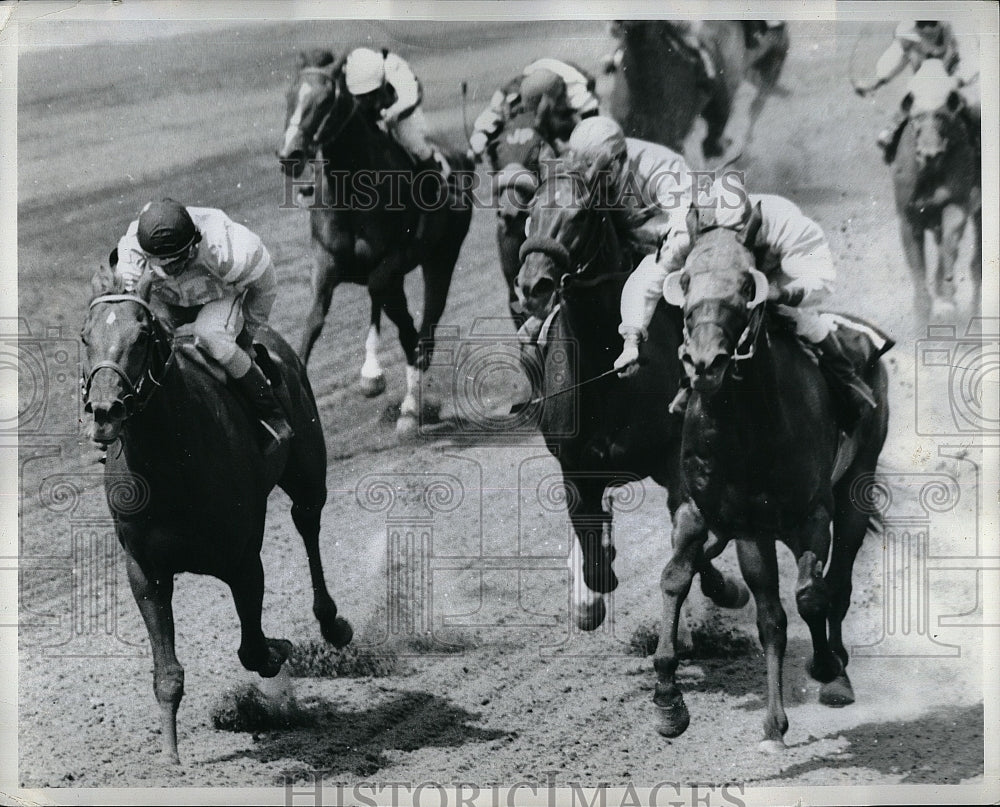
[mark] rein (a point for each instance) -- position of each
(135, 398)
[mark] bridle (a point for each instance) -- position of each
(327, 75)
(556, 251)
(137, 393)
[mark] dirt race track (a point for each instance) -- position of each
(505, 689)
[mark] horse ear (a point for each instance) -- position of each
(907, 102)
(748, 235)
(102, 281)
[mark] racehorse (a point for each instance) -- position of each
(186, 483)
(374, 220)
(663, 83)
(763, 460)
(605, 431)
(517, 157)
(937, 187)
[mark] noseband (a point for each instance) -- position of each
(136, 396)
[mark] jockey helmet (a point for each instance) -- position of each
(364, 71)
(540, 84)
(166, 229)
(598, 135)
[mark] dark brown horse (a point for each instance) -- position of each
(763, 460)
(605, 431)
(199, 483)
(936, 179)
(662, 83)
(374, 219)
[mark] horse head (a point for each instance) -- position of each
(310, 101)
(722, 294)
(122, 342)
(569, 233)
(933, 105)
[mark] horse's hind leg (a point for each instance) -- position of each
(759, 565)
(372, 377)
(716, 115)
(336, 630)
(948, 238)
(689, 535)
(812, 594)
(153, 598)
(850, 526)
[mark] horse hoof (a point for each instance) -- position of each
(373, 386)
(772, 746)
(838, 692)
(825, 673)
(672, 721)
(406, 426)
(591, 617)
(339, 634)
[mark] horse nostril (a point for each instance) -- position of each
(116, 411)
(88, 407)
(718, 363)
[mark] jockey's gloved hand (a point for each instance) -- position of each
(627, 363)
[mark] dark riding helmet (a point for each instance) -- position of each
(928, 23)
(166, 229)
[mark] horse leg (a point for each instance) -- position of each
(759, 564)
(386, 287)
(256, 653)
(850, 527)
(689, 535)
(767, 71)
(592, 525)
(912, 235)
(976, 259)
(336, 630)
(948, 237)
(812, 595)
(716, 115)
(372, 377)
(437, 270)
(153, 598)
(325, 279)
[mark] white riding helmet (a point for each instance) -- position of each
(598, 135)
(364, 71)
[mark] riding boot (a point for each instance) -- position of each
(888, 138)
(837, 365)
(257, 389)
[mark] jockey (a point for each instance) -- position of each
(913, 42)
(216, 276)
(647, 192)
(792, 252)
(385, 87)
(575, 100)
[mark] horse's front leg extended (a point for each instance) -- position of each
(591, 560)
(256, 653)
(953, 219)
(912, 235)
(759, 564)
(325, 278)
(689, 535)
(153, 597)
